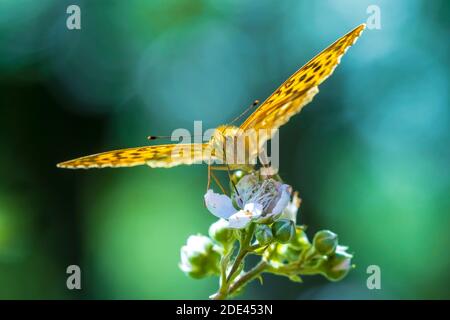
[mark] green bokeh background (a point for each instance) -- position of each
(369, 155)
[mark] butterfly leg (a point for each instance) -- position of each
(209, 178)
(219, 168)
(264, 161)
(229, 173)
(216, 180)
(245, 168)
(208, 184)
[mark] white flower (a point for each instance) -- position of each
(259, 201)
(220, 232)
(338, 264)
(290, 212)
(199, 257)
(196, 245)
(344, 261)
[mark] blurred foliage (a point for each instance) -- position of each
(369, 155)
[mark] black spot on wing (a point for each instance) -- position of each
(309, 79)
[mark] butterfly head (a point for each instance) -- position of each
(221, 135)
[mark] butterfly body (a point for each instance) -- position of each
(249, 138)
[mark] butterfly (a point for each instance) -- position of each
(297, 91)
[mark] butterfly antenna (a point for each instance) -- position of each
(158, 137)
(254, 104)
(163, 137)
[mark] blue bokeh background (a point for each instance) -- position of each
(369, 155)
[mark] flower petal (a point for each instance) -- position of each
(346, 264)
(245, 189)
(283, 201)
(346, 258)
(290, 212)
(197, 244)
(254, 208)
(219, 204)
(240, 219)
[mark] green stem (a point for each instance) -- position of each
(242, 281)
(227, 280)
(223, 270)
(243, 250)
(248, 276)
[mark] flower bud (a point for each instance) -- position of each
(263, 234)
(199, 258)
(325, 242)
(338, 264)
(220, 232)
(283, 230)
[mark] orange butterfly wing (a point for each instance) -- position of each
(159, 156)
(300, 88)
(285, 102)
